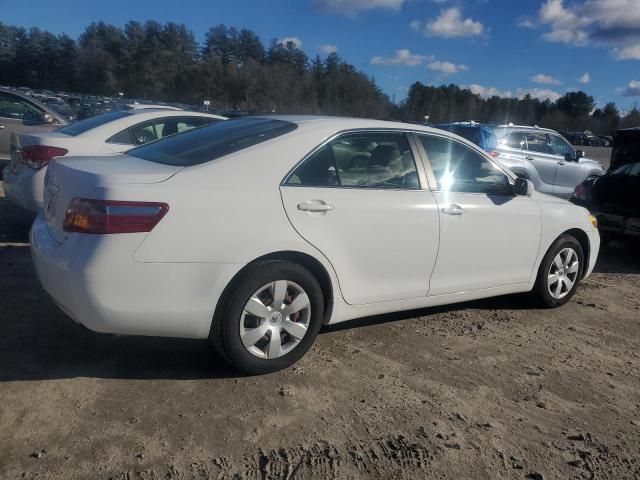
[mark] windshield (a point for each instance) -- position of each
(207, 143)
(93, 122)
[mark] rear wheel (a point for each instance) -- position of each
(271, 318)
(560, 272)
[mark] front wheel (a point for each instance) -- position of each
(560, 272)
(271, 318)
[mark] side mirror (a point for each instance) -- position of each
(579, 154)
(523, 187)
(47, 118)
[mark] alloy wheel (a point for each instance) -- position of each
(563, 273)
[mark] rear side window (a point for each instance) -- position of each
(363, 160)
(82, 126)
(201, 145)
(514, 140)
(123, 138)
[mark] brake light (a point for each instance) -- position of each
(580, 192)
(38, 156)
(493, 153)
(111, 216)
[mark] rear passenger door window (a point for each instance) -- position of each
(458, 168)
(12, 106)
(514, 140)
(538, 143)
(380, 160)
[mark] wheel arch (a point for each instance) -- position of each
(312, 264)
(583, 238)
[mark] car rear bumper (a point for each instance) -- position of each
(25, 187)
(95, 280)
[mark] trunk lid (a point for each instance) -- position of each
(81, 176)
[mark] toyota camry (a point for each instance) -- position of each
(257, 231)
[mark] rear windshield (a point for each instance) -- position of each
(204, 144)
(93, 122)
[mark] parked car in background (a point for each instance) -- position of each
(20, 113)
(256, 231)
(62, 108)
(478, 133)
(607, 141)
(543, 156)
(104, 134)
(614, 199)
(626, 147)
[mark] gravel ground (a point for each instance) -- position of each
(490, 389)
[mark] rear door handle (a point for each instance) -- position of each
(528, 158)
(453, 210)
(560, 162)
(1, 127)
(315, 207)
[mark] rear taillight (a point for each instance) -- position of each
(580, 192)
(493, 153)
(38, 156)
(111, 216)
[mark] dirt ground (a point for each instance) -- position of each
(491, 389)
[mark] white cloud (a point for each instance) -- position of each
(526, 22)
(449, 24)
(402, 57)
(631, 90)
(295, 40)
(353, 7)
(446, 67)
(327, 49)
(539, 93)
(611, 23)
(584, 79)
(545, 79)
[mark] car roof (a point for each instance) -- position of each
(534, 128)
(331, 123)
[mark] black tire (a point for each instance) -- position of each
(540, 292)
(225, 330)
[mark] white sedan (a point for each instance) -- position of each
(254, 232)
(109, 133)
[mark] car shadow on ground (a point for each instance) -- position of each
(619, 257)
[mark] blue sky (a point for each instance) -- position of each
(509, 47)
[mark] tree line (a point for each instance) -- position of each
(233, 69)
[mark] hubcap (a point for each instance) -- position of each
(563, 273)
(275, 319)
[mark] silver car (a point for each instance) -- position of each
(544, 157)
(23, 114)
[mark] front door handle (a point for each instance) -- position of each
(528, 157)
(560, 162)
(453, 210)
(315, 207)
(1, 127)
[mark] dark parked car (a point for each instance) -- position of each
(626, 147)
(614, 199)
